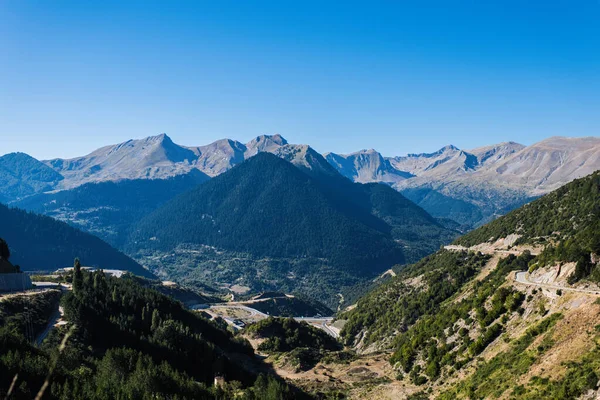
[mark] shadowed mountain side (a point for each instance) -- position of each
(41, 243)
(107, 209)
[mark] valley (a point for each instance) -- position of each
(265, 250)
(515, 298)
(124, 193)
(239, 315)
(273, 200)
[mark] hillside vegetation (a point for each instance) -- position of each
(285, 334)
(566, 222)
(456, 325)
(268, 211)
(302, 344)
(570, 212)
(41, 243)
(395, 305)
(291, 307)
(108, 209)
(126, 341)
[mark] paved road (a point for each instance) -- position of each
(454, 247)
(52, 323)
(523, 277)
(322, 323)
(253, 312)
(52, 285)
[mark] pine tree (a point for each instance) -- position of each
(4, 250)
(77, 277)
(155, 319)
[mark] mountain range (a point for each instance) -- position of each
(475, 186)
(467, 186)
(289, 225)
(124, 193)
(514, 300)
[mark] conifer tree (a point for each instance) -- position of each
(77, 276)
(155, 319)
(4, 250)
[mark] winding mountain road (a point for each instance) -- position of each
(523, 278)
(320, 322)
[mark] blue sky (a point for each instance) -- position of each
(397, 76)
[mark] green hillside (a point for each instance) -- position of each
(436, 320)
(566, 222)
(301, 344)
(396, 305)
(41, 243)
(570, 212)
(22, 175)
(108, 209)
(123, 341)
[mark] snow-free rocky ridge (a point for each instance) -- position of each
(467, 186)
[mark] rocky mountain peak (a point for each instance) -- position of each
(449, 147)
(158, 138)
(487, 155)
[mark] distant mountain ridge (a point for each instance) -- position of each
(468, 186)
(475, 186)
(157, 157)
(367, 166)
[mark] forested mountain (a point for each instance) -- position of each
(266, 207)
(124, 341)
(22, 175)
(42, 243)
(107, 209)
(462, 324)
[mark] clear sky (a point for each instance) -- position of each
(397, 76)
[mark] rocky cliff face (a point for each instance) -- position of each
(367, 166)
